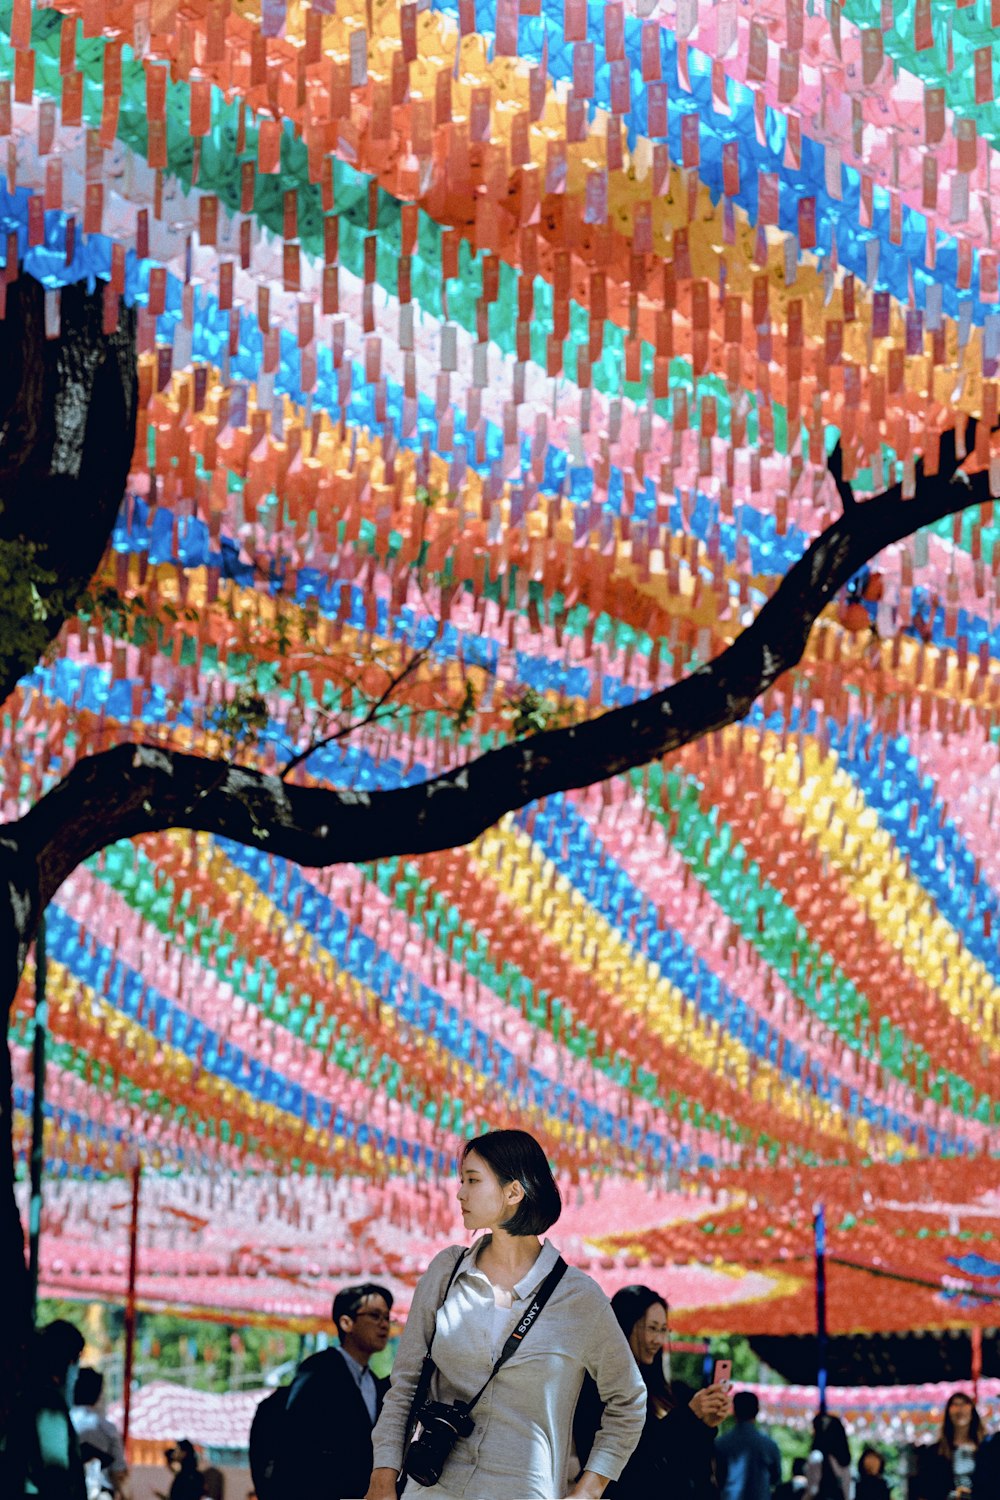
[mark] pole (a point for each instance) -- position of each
(37, 1117)
(133, 1258)
(977, 1358)
(819, 1236)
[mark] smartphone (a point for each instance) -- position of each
(722, 1374)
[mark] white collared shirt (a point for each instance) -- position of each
(365, 1381)
(521, 1443)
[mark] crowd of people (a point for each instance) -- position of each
(515, 1379)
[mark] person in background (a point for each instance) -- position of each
(828, 1467)
(182, 1461)
(100, 1440)
(470, 1301)
(335, 1401)
(52, 1461)
(870, 1483)
(674, 1453)
(986, 1476)
(747, 1461)
(794, 1487)
(945, 1468)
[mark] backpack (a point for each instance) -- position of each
(267, 1438)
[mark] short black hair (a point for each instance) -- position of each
(515, 1156)
(88, 1388)
(350, 1298)
(57, 1346)
(745, 1406)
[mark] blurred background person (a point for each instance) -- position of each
(99, 1438)
(52, 1462)
(747, 1461)
(871, 1483)
(674, 1453)
(945, 1468)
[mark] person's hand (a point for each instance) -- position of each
(383, 1484)
(711, 1405)
(589, 1486)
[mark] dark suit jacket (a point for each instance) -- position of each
(328, 1432)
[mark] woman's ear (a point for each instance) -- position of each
(514, 1192)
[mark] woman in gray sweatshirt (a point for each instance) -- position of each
(520, 1446)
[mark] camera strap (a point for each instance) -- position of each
(524, 1326)
(426, 1373)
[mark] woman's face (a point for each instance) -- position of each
(959, 1408)
(648, 1334)
(484, 1203)
(871, 1464)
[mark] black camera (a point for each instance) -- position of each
(441, 1427)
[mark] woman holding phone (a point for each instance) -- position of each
(674, 1454)
(471, 1306)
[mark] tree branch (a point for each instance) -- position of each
(136, 789)
(348, 729)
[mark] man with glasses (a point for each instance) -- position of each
(334, 1403)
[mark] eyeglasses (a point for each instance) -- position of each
(376, 1317)
(657, 1333)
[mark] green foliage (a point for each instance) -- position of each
(467, 708)
(29, 600)
(531, 712)
(241, 720)
(213, 1354)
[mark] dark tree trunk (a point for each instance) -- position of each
(67, 431)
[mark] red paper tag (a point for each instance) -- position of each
(656, 104)
(967, 143)
(291, 276)
(984, 74)
(225, 285)
(848, 299)
(930, 182)
(269, 146)
(614, 31)
(807, 223)
(583, 70)
(157, 293)
(767, 198)
(574, 20)
(36, 220)
(201, 105)
(788, 76)
(54, 188)
(93, 213)
(208, 218)
(690, 139)
(872, 55)
(649, 51)
(923, 30)
(72, 99)
(933, 116)
(730, 168)
(757, 53)
(248, 179)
